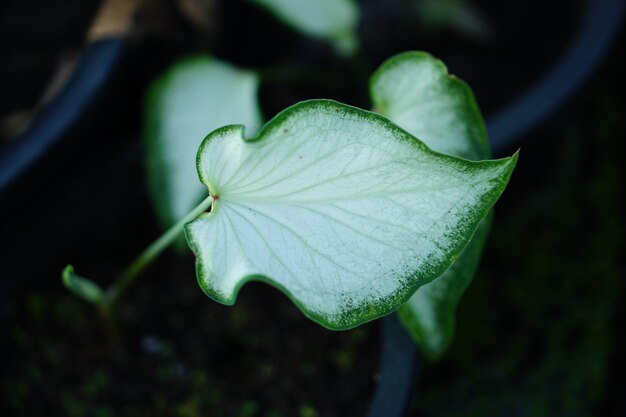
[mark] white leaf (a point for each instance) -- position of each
(338, 207)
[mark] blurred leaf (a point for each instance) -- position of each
(337, 207)
(195, 96)
(437, 14)
(415, 91)
(459, 15)
(332, 20)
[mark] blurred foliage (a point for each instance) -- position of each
(539, 330)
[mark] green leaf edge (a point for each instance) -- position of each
(367, 312)
(454, 84)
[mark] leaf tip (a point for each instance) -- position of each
(81, 287)
(66, 274)
(512, 161)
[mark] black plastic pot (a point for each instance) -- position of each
(600, 21)
(55, 121)
(400, 359)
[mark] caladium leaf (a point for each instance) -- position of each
(414, 90)
(195, 96)
(338, 207)
(332, 20)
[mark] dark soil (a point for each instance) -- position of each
(181, 354)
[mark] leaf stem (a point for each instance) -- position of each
(130, 274)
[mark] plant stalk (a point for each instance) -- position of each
(130, 274)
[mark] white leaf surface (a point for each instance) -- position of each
(194, 97)
(337, 207)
